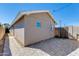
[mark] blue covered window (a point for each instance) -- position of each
(38, 24)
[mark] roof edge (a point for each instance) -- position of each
(20, 14)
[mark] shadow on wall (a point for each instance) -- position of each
(7, 51)
(56, 47)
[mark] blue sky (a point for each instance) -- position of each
(67, 13)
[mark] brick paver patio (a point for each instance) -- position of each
(51, 47)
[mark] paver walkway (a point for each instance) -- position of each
(51, 47)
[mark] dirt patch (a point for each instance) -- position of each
(1, 47)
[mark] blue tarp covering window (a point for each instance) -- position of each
(38, 24)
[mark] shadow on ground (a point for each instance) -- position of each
(57, 47)
(7, 51)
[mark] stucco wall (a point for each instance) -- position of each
(73, 30)
(34, 34)
(2, 32)
(19, 31)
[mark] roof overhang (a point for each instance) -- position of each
(20, 14)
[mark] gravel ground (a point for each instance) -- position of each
(51, 47)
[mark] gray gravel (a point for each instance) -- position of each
(51, 47)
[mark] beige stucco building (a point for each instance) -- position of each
(32, 27)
